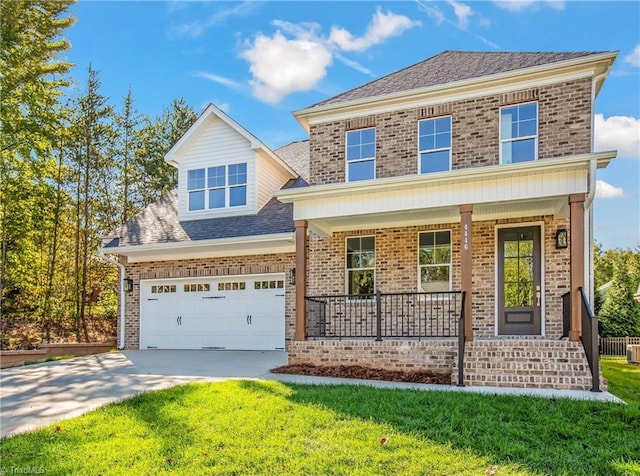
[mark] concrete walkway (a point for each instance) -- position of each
(37, 395)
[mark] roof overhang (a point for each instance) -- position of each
(502, 191)
(217, 248)
(583, 67)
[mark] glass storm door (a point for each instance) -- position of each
(519, 291)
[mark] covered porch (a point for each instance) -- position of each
(499, 218)
(552, 195)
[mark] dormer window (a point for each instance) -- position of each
(361, 154)
(519, 133)
(226, 186)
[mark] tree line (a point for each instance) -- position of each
(617, 282)
(73, 167)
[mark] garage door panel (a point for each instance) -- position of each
(239, 312)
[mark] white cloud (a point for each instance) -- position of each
(621, 133)
(520, 5)
(433, 11)
(633, 58)
(355, 65)
(281, 66)
(606, 190)
(197, 28)
(230, 83)
(463, 12)
(383, 26)
(223, 106)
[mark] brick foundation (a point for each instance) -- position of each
(524, 363)
(434, 355)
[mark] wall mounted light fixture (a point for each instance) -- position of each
(128, 284)
(562, 238)
(292, 276)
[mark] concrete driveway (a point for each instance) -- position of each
(37, 395)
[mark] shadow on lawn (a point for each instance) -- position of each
(552, 436)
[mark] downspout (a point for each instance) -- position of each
(122, 294)
(591, 194)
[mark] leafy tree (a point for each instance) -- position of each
(125, 145)
(91, 134)
(156, 138)
(620, 312)
(32, 76)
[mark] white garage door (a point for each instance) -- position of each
(238, 312)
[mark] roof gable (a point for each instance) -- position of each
(172, 157)
(450, 67)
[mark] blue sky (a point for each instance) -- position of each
(260, 61)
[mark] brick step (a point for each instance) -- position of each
(528, 363)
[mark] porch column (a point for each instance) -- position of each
(576, 248)
(301, 279)
(466, 268)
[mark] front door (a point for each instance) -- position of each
(519, 285)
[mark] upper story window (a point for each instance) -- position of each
(434, 144)
(361, 265)
(217, 187)
(519, 133)
(361, 154)
(434, 264)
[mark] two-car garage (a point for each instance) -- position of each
(232, 312)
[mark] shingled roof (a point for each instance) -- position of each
(296, 154)
(448, 67)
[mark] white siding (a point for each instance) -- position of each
(215, 143)
(270, 178)
(533, 186)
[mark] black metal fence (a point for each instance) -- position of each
(384, 315)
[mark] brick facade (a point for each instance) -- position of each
(564, 128)
(397, 267)
(200, 268)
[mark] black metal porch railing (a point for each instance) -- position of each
(590, 340)
(462, 341)
(589, 335)
(566, 314)
(385, 315)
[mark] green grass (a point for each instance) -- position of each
(260, 427)
(624, 379)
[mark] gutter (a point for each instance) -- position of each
(122, 294)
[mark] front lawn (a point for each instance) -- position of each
(624, 379)
(263, 427)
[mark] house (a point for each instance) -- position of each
(443, 220)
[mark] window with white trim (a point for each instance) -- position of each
(434, 261)
(361, 154)
(434, 144)
(226, 186)
(519, 133)
(361, 265)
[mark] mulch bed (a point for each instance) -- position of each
(359, 372)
